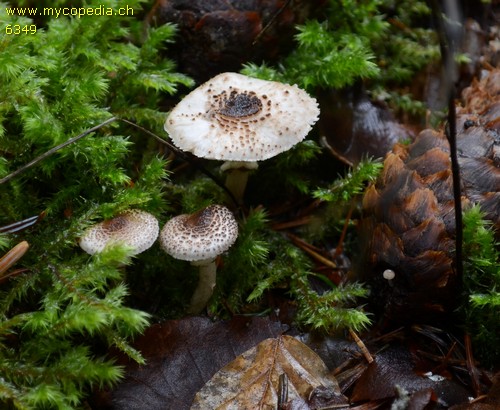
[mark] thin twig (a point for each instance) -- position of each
(270, 22)
(282, 391)
(362, 346)
(24, 224)
(292, 224)
(312, 250)
(471, 367)
(11, 257)
(55, 149)
(451, 134)
(449, 38)
(340, 247)
(12, 273)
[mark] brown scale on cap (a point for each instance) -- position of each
(200, 236)
(409, 226)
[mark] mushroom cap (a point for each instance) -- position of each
(389, 274)
(200, 236)
(233, 117)
(136, 229)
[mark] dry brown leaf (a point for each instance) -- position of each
(182, 355)
(251, 381)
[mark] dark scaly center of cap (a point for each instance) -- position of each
(200, 220)
(240, 105)
(115, 224)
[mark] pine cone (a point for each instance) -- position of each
(409, 224)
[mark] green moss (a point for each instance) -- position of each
(377, 41)
(64, 309)
(482, 286)
(353, 183)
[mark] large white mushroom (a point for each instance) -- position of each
(241, 120)
(199, 238)
(134, 228)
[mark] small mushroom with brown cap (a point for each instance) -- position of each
(135, 229)
(199, 238)
(241, 120)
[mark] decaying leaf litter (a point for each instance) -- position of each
(411, 391)
(241, 361)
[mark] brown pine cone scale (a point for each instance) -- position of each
(408, 223)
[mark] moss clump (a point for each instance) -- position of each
(63, 309)
(376, 40)
(482, 286)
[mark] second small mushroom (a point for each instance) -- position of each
(133, 228)
(199, 238)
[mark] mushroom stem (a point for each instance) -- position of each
(206, 285)
(237, 177)
(236, 182)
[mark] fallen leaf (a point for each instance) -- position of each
(393, 369)
(181, 356)
(251, 380)
(356, 127)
